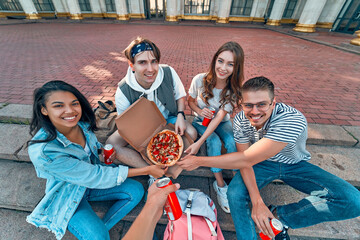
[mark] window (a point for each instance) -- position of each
(44, 5)
(241, 7)
(348, 20)
(110, 6)
(197, 7)
(289, 9)
(85, 5)
(10, 5)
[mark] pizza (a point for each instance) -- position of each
(165, 148)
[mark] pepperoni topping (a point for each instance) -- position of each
(165, 147)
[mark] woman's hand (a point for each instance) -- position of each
(156, 171)
(206, 113)
(193, 148)
(112, 157)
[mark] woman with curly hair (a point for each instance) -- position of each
(65, 151)
(219, 89)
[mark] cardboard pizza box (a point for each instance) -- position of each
(140, 122)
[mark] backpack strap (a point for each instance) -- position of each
(188, 216)
(211, 227)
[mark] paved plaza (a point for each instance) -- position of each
(321, 81)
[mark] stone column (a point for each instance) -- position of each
(258, 10)
(329, 13)
(298, 9)
(356, 41)
(309, 16)
(96, 8)
(29, 9)
(122, 13)
(142, 8)
(65, 5)
(171, 11)
(103, 7)
(74, 9)
(277, 12)
(224, 11)
(135, 9)
(214, 9)
(60, 9)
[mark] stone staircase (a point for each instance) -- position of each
(334, 148)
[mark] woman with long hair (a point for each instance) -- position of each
(218, 89)
(64, 150)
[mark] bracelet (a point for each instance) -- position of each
(182, 113)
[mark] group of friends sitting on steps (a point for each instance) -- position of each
(266, 141)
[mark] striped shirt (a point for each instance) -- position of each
(286, 124)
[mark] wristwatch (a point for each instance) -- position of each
(182, 114)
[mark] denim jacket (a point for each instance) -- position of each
(68, 170)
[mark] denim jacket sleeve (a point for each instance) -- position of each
(62, 160)
(75, 171)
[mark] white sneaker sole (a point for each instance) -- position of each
(227, 210)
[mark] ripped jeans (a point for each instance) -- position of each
(330, 197)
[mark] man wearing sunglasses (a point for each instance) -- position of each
(271, 143)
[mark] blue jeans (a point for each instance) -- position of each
(330, 197)
(171, 119)
(224, 132)
(85, 224)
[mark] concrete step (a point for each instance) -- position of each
(332, 149)
(341, 161)
(319, 134)
(21, 190)
(13, 226)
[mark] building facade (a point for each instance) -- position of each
(338, 15)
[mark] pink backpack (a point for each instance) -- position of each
(199, 219)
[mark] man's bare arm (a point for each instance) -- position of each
(258, 152)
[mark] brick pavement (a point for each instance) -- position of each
(322, 82)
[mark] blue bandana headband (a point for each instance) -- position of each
(141, 47)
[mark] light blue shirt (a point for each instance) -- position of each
(69, 171)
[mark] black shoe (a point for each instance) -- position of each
(283, 235)
(272, 208)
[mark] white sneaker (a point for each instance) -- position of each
(221, 196)
(151, 180)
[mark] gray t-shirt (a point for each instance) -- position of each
(197, 88)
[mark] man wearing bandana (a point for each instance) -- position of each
(158, 83)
